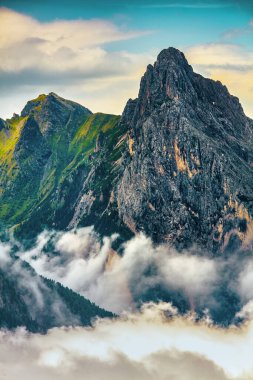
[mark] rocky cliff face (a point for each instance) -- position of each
(188, 174)
(178, 165)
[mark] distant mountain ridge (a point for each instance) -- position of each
(37, 303)
(178, 164)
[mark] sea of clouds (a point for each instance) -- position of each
(116, 282)
(141, 345)
(153, 341)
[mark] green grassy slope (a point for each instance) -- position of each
(53, 154)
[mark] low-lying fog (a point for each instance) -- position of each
(154, 342)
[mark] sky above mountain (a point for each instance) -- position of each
(95, 52)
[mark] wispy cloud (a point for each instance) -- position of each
(220, 54)
(29, 295)
(190, 280)
(118, 283)
(238, 32)
(197, 5)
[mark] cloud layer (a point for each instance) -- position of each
(143, 345)
(191, 280)
(117, 282)
(151, 342)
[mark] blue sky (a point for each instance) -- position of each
(141, 29)
(180, 23)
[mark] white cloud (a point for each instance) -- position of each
(139, 346)
(81, 242)
(193, 274)
(81, 265)
(246, 281)
(153, 343)
(30, 289)
(4, 255)
(220, 55)
(80, 261)
(114, 282)
(246, 313)
(65, 37)
(184, 271)
(69, 57)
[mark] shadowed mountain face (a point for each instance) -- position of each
(27, 299)
(177, 165)
(188, 177)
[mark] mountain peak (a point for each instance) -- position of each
(190, 154)
(33, 104)
(53, 94)
(50, 101)
(55, 97)
(36, 103)
(172, 79)
(172, 55)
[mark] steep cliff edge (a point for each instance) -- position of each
(188, 173)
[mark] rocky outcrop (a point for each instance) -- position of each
(188, 174)
(3, 124)
(54, 113)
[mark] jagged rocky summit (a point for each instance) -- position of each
(178, 164)
(188, 177)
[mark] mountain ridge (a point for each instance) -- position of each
(177, 165)
(38, 304)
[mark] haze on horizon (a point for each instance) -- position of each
(96, 54)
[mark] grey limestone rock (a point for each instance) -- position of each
(188, 174)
